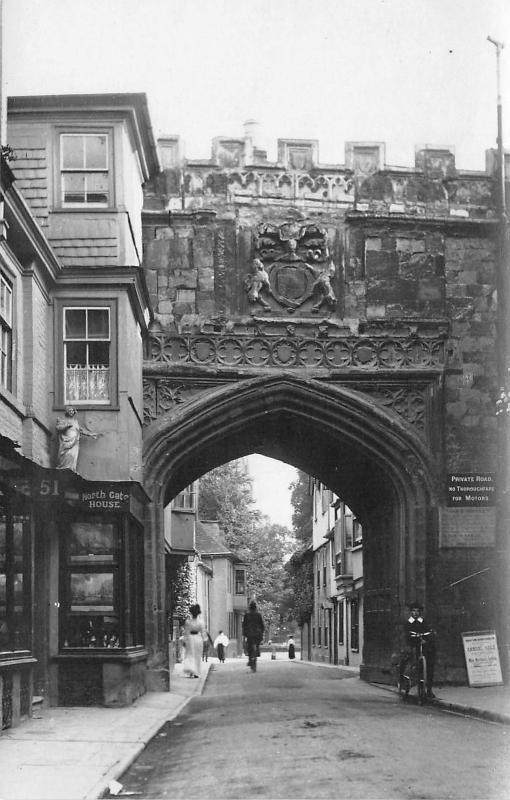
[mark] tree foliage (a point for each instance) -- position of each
(299, 569)
(226, 495)
(302, 508)
(299, 573)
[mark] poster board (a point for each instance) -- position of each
(482, 658)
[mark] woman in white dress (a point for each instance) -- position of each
(194, 635)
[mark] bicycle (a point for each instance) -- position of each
(418, 670)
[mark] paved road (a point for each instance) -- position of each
(297, 731)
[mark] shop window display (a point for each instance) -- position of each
(14, 578)
(97, 578)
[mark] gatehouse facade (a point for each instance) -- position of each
(342, 318)
(347, 319)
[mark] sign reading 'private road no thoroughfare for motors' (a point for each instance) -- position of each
(469, 518)
(471, 489)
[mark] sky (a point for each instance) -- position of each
(271, 491)
(406, 72)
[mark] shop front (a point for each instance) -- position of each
(16, 628)
(88, 587)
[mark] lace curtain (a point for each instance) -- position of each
(87, 383)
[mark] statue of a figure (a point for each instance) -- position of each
(323, 288)
(256, 283)
(69, 431)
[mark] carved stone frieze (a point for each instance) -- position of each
(408, 402)
(263, 349)
(333, 186)
(162, 394)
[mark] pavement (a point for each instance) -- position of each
(79, 753)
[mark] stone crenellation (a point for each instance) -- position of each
(239, 172)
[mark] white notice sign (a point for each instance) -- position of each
(482, 658)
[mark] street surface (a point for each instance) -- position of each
(292, 730)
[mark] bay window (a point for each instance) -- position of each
(87, 339)
(185, 500)
(5, 333)
(84, 170)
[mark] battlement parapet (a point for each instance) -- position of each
(239, 173)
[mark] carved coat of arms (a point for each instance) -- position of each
(292, 265)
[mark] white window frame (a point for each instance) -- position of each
(6, 332)
(82, 134)
(185, 500)
(88, 400)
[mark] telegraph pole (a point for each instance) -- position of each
(502, 564)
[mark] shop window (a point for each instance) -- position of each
(84, 170)
(354, 625)
(15, 600)
(101, 584)
(240, 583)
(5, 333)
(185, 500)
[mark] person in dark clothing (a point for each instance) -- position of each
(253, 633)
(416, 623)
(292, 648)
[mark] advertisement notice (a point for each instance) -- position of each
(482, 658)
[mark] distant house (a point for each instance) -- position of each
(227, 598)
(337, 620)
(200, 568)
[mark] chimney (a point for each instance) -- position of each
(251, 130)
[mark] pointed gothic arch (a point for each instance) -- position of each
(365, 453)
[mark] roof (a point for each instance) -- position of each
(133, 106)
(209, 540)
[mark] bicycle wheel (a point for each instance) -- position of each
(422, 680)
(404, 686)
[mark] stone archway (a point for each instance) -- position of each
(365, 453)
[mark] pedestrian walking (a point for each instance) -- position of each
(221, 644)
(194, 637)
(205, 647)
(292, 648)
(253, 633)
(273, 650)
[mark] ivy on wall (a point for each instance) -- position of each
(300, 570)
(183, 591)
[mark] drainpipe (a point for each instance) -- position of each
(502, 550)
